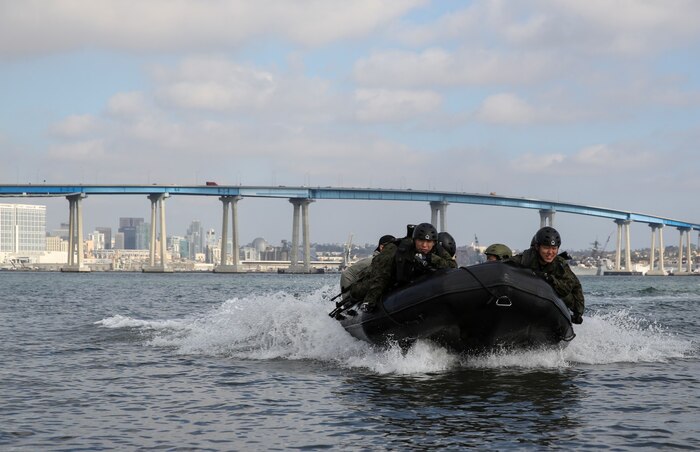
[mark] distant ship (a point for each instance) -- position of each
(591, 268)
(595, 264)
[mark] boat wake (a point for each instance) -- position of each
(296, 327)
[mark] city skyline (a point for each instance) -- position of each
(247, 234)
(584, 102)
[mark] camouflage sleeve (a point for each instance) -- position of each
(442, 259)
(516, 260)
(380, 277)
(561, 285)
(354, 272)
(578, 302)
(567, 285)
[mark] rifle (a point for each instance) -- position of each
(341, 306)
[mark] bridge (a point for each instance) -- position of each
(301, 197)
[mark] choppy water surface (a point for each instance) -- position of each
(253, 362)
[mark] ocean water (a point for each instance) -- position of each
(134, 361)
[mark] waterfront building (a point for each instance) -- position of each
(107, 232)
(195, 239)
(136, 233)
(56, 244)
(118, 241)
(98, 239)
(179, 247)
(22, 228)
(61, 231)
(143, 236)
(210, 242)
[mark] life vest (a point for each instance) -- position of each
(406, 268)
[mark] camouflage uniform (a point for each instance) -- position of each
(397, 265)
(558, 274)
(354, 280)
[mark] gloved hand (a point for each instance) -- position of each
(368, 307)
(423, 259)
(576, 318)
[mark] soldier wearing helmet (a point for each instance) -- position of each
(403, 262)
(447, 242)
(498, 252)
(354, 280)
(543, 258)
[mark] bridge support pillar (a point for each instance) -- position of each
(684, 232)
(235, 265)
(438, 209)
(623, 225)
(75, 235)
(157, 203)
(303, 206)
(547, 218)
(653, 271)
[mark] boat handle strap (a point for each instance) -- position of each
(504, 301)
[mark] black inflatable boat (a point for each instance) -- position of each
(468, 309)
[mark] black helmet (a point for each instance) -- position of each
(548, 236)
(499, 250)
(447, 242)
(384, 240)
(425, 231)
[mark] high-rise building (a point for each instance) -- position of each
(119, 241)
(195, 239)
(98, 240)
(210, 246)
(107, 232)
(136, 233)
(143, 236)
(61, 231)
(22, 228)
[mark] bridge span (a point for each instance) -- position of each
(301, 197)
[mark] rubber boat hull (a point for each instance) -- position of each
(473, 308)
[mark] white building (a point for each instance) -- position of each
(22, 229)
(98, 240)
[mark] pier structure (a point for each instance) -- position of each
(438, 211)
(224, 266)
(75, 235)
(684, 232)
(157, 205)
(301, 197)
(546, 217)
(656, 230)
(623, 229)
(300, 205)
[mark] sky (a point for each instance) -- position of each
(594, 102)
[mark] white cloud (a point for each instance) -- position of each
(537, 163)
(632, 26)
(439, 67)
(506, 108)
(568, 27)
(381, 105)
(628, 28)
(594, 161)
(611, 159)
(35, 26)
(78, 151)
(127, 105)
(74, 126)
(215, 84)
